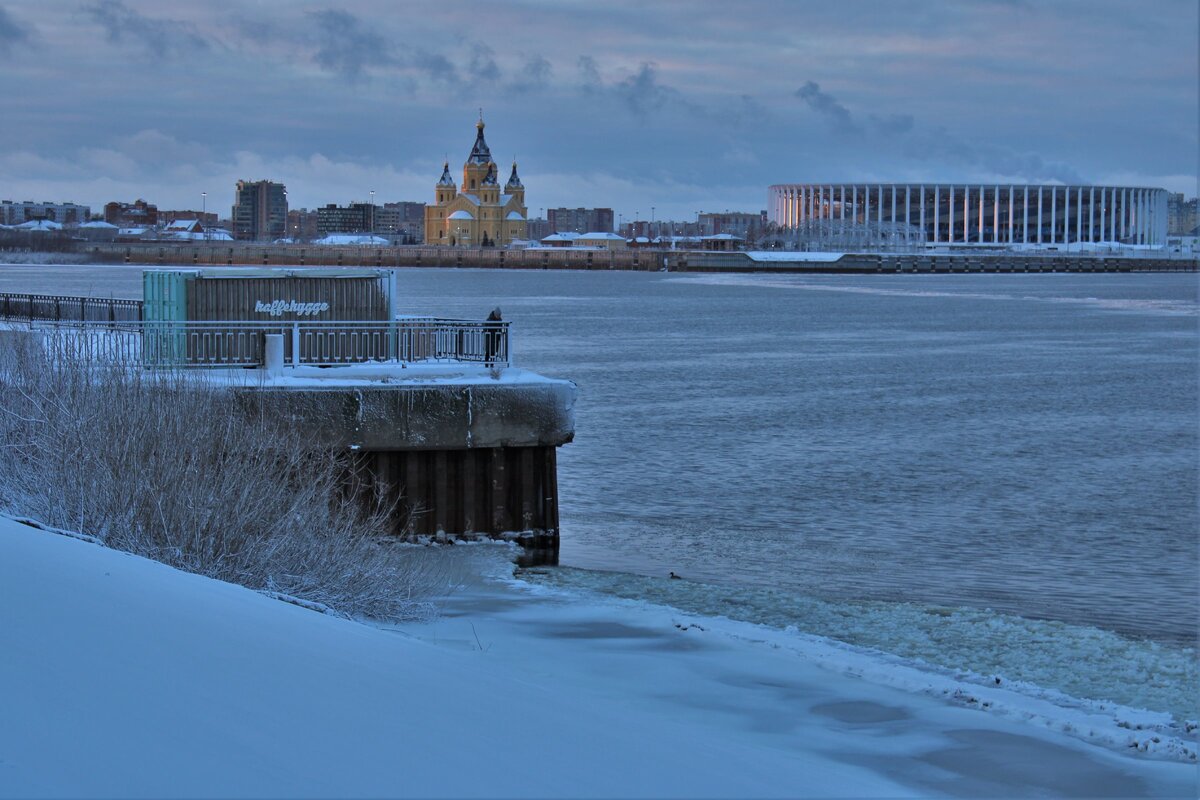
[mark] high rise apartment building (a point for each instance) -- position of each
(1181, 215)
(580, 220)
(260, 211)
(27, 211)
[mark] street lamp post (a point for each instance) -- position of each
(372, 226)
(204, 212)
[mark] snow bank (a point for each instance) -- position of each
(124, 677)
(791, 255)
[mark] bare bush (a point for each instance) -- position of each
(171, 466)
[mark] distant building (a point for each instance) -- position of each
(98, 231)
(605, 240)
(1034, 216)
(537, 229)
(206, 218)
(138, 214)
(260, 211)
(580, 220)
(736, 223)
(479, 214)
(1181, 215)
(405, 218)
(301, 225)
(354, 218)
(194, 230)
(12, 213)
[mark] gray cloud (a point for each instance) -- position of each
(827, 106)
(941, 146)
(589, 74)
(160, 37)
(534, 74)
(642, 92)
(482, 67)
(891, 124)
(12, 33)
(434, 65)
(345, 45)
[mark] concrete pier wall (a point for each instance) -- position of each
(261, 255)
(452, 460)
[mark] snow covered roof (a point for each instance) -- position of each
(98, 224)
(473, 198)
(565, 236)
(514, 215)
(40, 225)
(724, 237)
(460, 214)
(602, 235)
(351, 238)
(184, 225)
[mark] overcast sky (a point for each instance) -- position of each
(683, 106)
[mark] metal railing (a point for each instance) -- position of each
(309, 343)
(59, 308)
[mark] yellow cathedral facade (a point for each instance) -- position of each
(477, 213)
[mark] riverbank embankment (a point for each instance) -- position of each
(267, 255)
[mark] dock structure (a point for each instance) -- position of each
(438, 423)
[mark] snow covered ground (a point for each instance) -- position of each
(122, 677)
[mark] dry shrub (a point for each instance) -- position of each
(171, 466)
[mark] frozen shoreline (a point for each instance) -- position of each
(183, 685)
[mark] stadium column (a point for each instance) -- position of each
(1053, 213)
(982, 200)
(950, 217)
(1103, 214)
(1039, 216)
(1112, 214)
(1012, 203)
(1066, 229)
(995, 215)
(966, 214)
(937, 212)
(1025, 214)
(907, 206)
(1125, 212)
(1079, 214)
(921, 212)
(893, 219)
(1091, 214)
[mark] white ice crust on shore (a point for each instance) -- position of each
(173, 684)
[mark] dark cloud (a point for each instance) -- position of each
(943, 147)
(12, 33)
(642, 92)
(891, 124)
(482, 67)
(434, 65)
(827, 106)
(534, 74)
(589, 74)
(160, 37)
(346, 45)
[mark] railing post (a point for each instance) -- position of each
(295, 344)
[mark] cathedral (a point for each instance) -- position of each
(479, 215)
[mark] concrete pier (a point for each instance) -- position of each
(456, 452)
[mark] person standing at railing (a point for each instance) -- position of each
(492, 330)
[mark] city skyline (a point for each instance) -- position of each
(678, 109)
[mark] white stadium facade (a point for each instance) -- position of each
(1011, 215)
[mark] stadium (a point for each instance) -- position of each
(959, 215)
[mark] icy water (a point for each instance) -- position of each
(989, 473)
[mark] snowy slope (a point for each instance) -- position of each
(123, 677)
